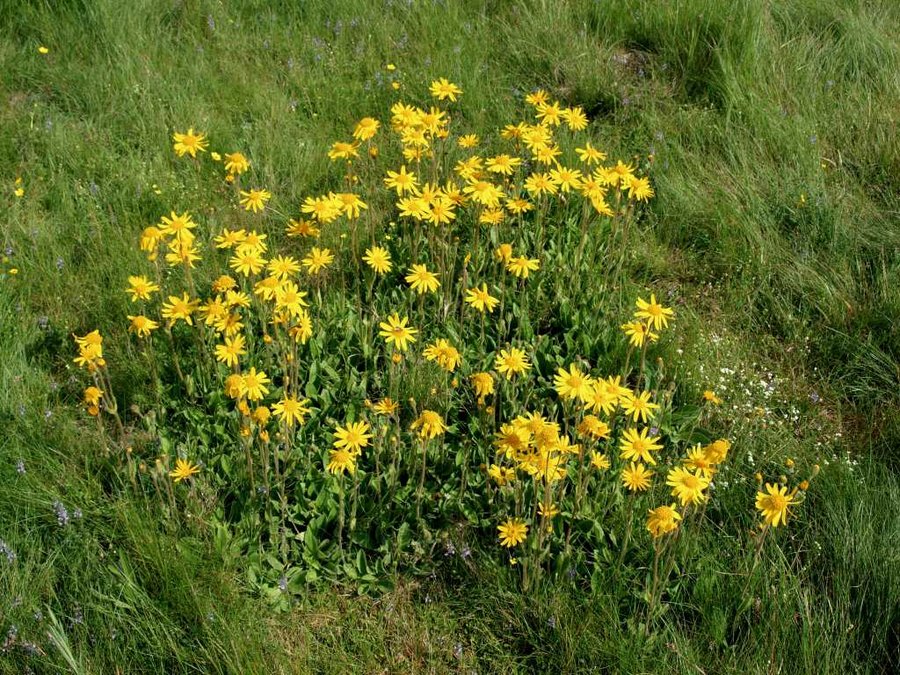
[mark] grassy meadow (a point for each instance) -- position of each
(768, 131)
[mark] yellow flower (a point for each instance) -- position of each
(572, 383)
(710, 397)
(773, 504)
(699, 462)
(179, 308)
(183, 469)
(247, 260)
(317, 260)
(716, 451)
(396, 331)
(483, 384)
(401, 181)
(503, 164)
(141, 325)
(567, 179)
(189, 144)
(92, 396)
(480, 299)
(485, 193)
(593, 427)
(637, 332)
(290, 410)
(253, 384)
(662, 519)
(386, 406)
(575, 118)
(421, 280)
(521, 267)
(512, 532)
(230, 238)
(589, 154)
(341, 150)
(600, 461)
(503, 253)
(366, 128)
(444, 89)
(638, 446)
(43, 50)
(687, 486)
(429, 424)
(352, 437)
(468, 141)
(538, 184)
(445, 354)
(340, 461)
(639, 406)
(379, 259)
(501, 475)
(302, 228)
(283, 266)
(653, 313)
(639, 188)
(511, 362)
(236, 163)
(255, 200)
(636, 477)
(140, 288)
(231, 351)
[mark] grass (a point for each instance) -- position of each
(772, 131)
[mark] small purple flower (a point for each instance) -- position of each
(62, 514)
(283, 583)
(7, 552)
(654, 431)
(814, 397)
(466, 553)
(60, 263)
(20, 467)
(211, 22)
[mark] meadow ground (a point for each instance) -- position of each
(768, 130)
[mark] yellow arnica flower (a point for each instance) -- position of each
(340, 461)
(638, 446)
(341, 150)
(638, 332)
(444, 89)
(352, 437)
(512, 532)
(522, 266)
(253, 384)
(395, 331)
(593, 427)
(255, 200)
(290, 410)
(386, 406)
(710, 397)
(639, 406)
(401, 181)
(421, 280)
(378, 259)
(773, 504)
(429, 424)
(140, 288)
(716, 451)
(236, 163)
(179, 308)
(366, 128)
(141, 325)
(600, 397)
(92, 396)
(662, 519)
(653, 313)
(444, 354)
(317, 260)
(480, 299)
(636, 477)
(511, 362)
(699, 462)
(183, 469)
(687, 486)
(483, 384)
(190, 143)
(231, 351)
(600, 461)
(571, 383)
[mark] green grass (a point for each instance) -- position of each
(775, 161)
